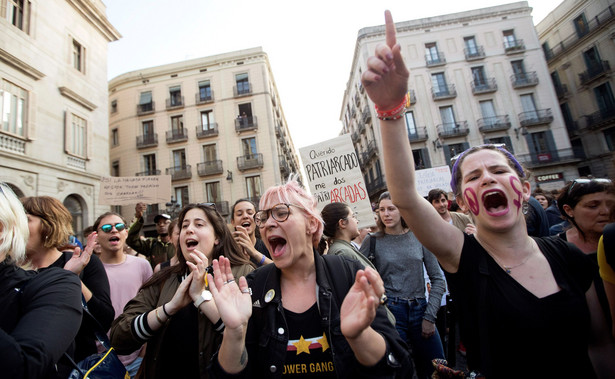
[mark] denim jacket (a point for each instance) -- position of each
(267, 334)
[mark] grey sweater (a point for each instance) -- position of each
(399, 260)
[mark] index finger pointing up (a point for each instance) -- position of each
(390, 29)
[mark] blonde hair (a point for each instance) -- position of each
(293, 193)
(14, 232)
(56, 220)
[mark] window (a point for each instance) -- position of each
(253, 187)
(13, 107)
(547, 50)
(207, 120)
(510, 41)
(243, 84)
(18, 13)
(115, 138)
(145, 102)
(604, 98)
(249, 147)
(439, 84)
(177, 125)
(471, 47)
(149, 164)
(501, 140)
(410, 124)
(431, 53)
(592, 59)
(581, 26)
(568, 120)
(478, 76)
(450, 151)
(78, 56)
(210, 153)
(115, 168)
(488, 111)
(518, 67)
(448, 117)
(73, 205)
(76, 137)
(609, 135)
(421, 159)
(529, 106)
(175, 96)
(179, 158)
(212, 192)
(114, 106)
(540, 145)
(205, 91)
(181, 195)
(557, 83)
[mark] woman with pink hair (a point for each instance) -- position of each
(306, 313)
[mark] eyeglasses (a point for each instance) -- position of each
(279, 212)
(107, 228)
(587, 181)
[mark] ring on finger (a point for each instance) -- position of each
(247, 290)
(229, 281)
(383, 299)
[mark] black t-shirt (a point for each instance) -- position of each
(544, 337)
(308, 354)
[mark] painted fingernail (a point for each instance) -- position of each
(389, 56)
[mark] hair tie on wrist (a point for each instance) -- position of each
(165, 311)
(262, 260)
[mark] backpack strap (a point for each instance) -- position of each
(372, 249)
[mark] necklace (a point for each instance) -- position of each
(509, 268)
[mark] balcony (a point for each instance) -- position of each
(357, 99)
(146, 108)
(147, 140)
(223, 208)
(548, 158)
(355, 137)
(353, 111)
(243, 89)
(177, 135)
(418, 135)
(206, 131)
(361, 128)
(412, 97)
(209, 168)
(180, 172)
(601, 118)
(493, 124)
(595, 71)
(524, 79)
(284, 167)
(279, 131)
(561, 90)
(372, 150)
(484, 86)
(434, 60)
(175, 102)
(453, 129)
(243, 124)
(148, 173)
(250, 161)
(375, 186)
(203, 98)
(444, 92)
(366, 116)
(474, 54)
(537, 117)
(514, 46)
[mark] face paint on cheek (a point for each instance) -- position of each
(515, 183)
(471, 200)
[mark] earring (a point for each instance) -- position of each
(525, 208)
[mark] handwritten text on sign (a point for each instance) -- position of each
(430, 178)
(334, 175)
(133, 189)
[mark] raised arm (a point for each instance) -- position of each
(386, 83)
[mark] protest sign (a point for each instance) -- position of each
(334, 175)
(134, 189)
(430, 178)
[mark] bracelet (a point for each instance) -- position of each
(393, 114)
(262, 260)
(158, 317)
(165, 311)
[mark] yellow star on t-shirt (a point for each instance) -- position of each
(302, 346)
(323, 341)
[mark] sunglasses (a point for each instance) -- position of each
(107, 228)
(587, 181)
(209, 205)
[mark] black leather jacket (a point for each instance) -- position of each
(267, 334)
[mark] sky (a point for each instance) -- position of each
(310, 44)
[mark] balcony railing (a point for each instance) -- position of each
(175, 102)
(514, 46)
(412, 96)
(524, 79)
(484, 86)
(493, 124)
(561, 90)
(209, 168)
(453, 129)
(223, 208)
(242, 90)
(146, 108)
(279, 131)
(436, 59)
(601, 118)
(203, 99)
(444, 92)
(375, 186)
(205, 131)
(284, 167)
(593, 24)
(180, 172)
(537, 117)
(548, 157)
(355, 136)
(367, 115)
(177, 135)
(474, 54)
(147, 140)
(250, 161)
(595, 71)
(148, 173)
(361, 128)
(418, 135)
(245, 123)
(372, 150)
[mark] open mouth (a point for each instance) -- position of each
(191, 243)
(277, 245)
(495, 202)
(246, 224)
(114, 239)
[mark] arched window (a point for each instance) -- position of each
(73, 204)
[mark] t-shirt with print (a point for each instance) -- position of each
(308, 354)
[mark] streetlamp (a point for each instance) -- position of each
(173, 208)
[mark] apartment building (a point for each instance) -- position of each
(578, 39)
(53, 101)
(214, 124)
(476, 77)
